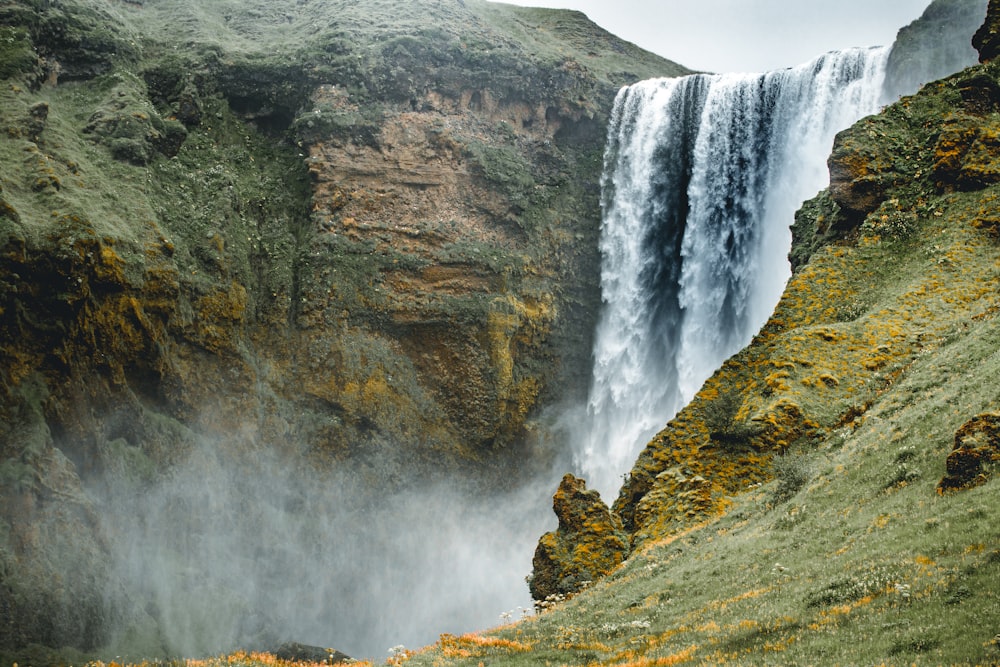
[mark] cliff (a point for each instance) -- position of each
(359, 236)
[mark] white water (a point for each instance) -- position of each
(702, 178)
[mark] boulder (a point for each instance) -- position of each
(295, 652)
(857, 176)
(976, 450)
(588, 544)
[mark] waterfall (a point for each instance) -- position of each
(702, 177)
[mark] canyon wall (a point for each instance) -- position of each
(359, 237)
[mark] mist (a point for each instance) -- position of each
(247, 548)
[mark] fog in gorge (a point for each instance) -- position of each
(241, 549)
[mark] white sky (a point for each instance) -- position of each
(746, 35)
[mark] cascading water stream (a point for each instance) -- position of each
(702, 177)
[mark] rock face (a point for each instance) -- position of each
(588, 544)
(863, 171)
(857, 178)
(361, 238)
(295, 652)
(976, 452)
(987, 38)
(436, 200)
(933, 46)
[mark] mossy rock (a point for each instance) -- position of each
(588, 544)
(131, 129)
(975, 454)
(17, 55)
(987, 37)
(78, 39)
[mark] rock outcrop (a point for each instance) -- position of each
(987, 37)
(933, 46)
(588, 544)
(295, 652)
(976, 452)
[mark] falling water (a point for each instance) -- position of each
(702, 177)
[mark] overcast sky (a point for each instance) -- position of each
(746, 35)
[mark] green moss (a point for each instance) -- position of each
(126, 464)
(324, 123)
(83, 38)
(129, 126)
(16, 53)
(813, 228)
(506, 168)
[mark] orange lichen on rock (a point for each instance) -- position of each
(855, 178)
(513, 324)
(675, 495)
(588, 544)
(782, 424)
(966, 155)
(976, 452)
(220, 314)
